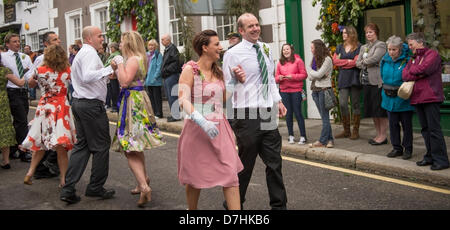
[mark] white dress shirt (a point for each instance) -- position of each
(249, 94)
(9, 61)
(89, 76)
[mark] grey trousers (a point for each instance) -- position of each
(92, 125)
(354, 92)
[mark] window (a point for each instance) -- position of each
(34, 41)
(175, 25)
(225, 25)
(74, 25)
(100, 16)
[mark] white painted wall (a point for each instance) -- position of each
(40, 17)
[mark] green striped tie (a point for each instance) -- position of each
(19, 65)
(263, 66)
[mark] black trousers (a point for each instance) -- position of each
(92, 125)
(115, 91)
(405, 119)
(155, 95)
(18, 102)
(430, 119)
(253, 140)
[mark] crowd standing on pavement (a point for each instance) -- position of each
(77, 90)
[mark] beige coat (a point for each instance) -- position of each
(375, 52)
(322, 75)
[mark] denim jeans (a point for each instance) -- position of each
(172, 98)
(293, 104)
(326, 134)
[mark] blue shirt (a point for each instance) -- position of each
(154, 70)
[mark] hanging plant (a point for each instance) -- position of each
(334, 15)
(143, 10)
(238, 7)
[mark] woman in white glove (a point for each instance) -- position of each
(207, 155)
(136, 126)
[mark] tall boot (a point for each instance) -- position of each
(346, 124)
(355, 132)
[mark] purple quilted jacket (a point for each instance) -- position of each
(425, 69)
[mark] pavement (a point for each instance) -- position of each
(353, 154)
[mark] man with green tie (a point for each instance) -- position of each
(249, 76)
(19, 63)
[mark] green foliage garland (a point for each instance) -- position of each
(143, 10)
(334, 15)
(238, 7)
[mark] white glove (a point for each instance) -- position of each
(208, 126)
(118, 59)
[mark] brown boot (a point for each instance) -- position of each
(355, 132)
(346, 124)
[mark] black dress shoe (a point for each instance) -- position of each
(423, 163)
(407, 155)
(380, 143)
(70, 199)
(25, 157)
(438, 167)
(44, 174)
(371, 141)
(394, 153)
(105, 194)
(7, 166)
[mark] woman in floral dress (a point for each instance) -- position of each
(136, 126)
(7, 132)
(53, 126)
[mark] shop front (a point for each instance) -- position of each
(394, 17)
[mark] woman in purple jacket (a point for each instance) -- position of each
(425, 69)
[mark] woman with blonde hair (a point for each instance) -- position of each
(53, 127)
(136, 126)
(348, 81)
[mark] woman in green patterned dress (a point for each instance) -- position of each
(136, 126)
(7, 132)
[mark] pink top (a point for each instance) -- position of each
(296, 70)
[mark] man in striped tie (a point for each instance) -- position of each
(249, 75)
(19, 63)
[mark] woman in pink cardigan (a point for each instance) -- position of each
(290, 75)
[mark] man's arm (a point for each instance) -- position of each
(90, 72)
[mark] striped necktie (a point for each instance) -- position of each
(263, 67)
(19, 65)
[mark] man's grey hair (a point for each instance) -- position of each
(394, 41)
(418, 37)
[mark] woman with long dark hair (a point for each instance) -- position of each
(290, 75)
(214, 160)
(320, 75)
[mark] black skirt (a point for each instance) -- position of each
(372, 102)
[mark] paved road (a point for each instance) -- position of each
(308, 188)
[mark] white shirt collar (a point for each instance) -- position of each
(89, 47)
(11, 53)
(248, 44)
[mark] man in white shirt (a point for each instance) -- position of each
(19, 63)
(89, 79)
(249, 72)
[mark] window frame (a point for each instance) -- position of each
(70, 27)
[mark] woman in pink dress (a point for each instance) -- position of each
(207, 155)
(53, 126)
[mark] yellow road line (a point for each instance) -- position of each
(349, 171)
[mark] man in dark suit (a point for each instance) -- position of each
(170, 72)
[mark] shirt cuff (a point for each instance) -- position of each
(107, 71)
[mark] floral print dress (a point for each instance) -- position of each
(7, 132)
(53, 122)
(136, 127)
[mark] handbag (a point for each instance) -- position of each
(330, 99)
(406, 89)
(364, 76)
(390, 90)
